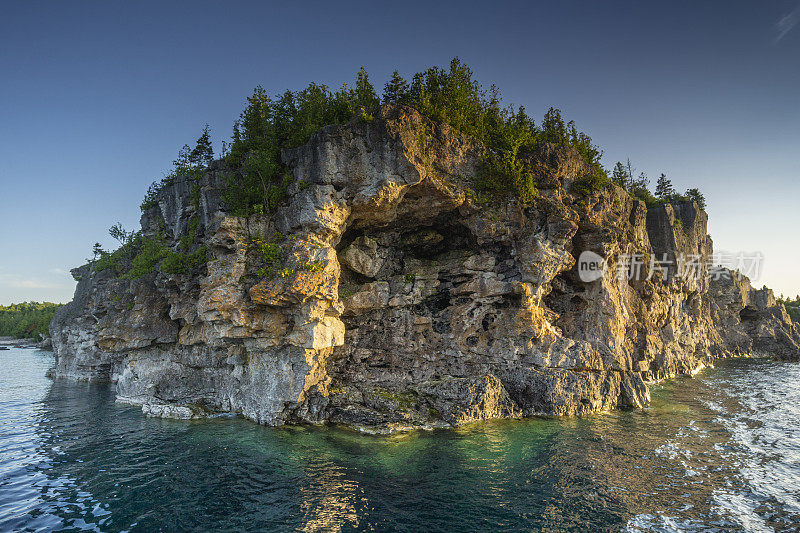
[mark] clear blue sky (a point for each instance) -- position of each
(97, 97)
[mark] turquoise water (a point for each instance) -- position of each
(718, 452)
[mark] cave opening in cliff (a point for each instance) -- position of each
(420, 251)
(369, 253)
(748, 314)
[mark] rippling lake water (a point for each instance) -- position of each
(717, 452)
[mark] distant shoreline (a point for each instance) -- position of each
(18, 343)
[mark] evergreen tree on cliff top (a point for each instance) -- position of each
(640, 188)
(664, 189)
(97, 251)
(620, 176)
(366, 97)
(396, 89)
(203, 152)
(696, 196)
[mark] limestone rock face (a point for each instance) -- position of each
(749, 321)
(401, 300)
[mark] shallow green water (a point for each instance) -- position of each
(721, 451)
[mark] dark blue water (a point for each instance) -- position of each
(718, 452)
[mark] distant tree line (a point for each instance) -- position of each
(27, 320)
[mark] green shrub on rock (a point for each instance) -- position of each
(151, 251)
(590, 183)
(183, 263)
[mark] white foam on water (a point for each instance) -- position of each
(739, 508)
(663, 524)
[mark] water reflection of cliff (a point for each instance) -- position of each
(108, 465)
(231, 473)
(604, 471)
(491, 475)
(235, 474)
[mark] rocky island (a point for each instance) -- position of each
(387, 287)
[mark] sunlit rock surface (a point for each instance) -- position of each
(403, 301)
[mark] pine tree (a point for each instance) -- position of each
(254, 121)
(629, 168)
(620, 176)
(203, 152)
(366, 97)
(97, 251)
(640, 186)
(183, 163)
(416, 93)
(554, 130)
(696, 196)
(396, 89)
(118, 233)
(664, 188)
(237, 134)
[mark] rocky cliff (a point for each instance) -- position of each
(384, 294)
